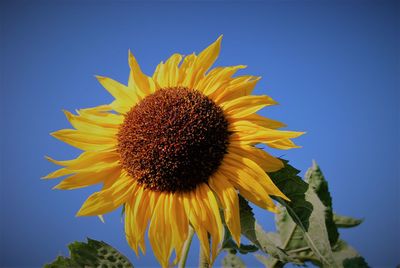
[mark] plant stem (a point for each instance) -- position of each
(186, 248)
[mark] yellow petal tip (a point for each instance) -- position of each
(236, 239)
(67, 114)
(79, 214)
(274, 102)
(99, 77)
(60, 186)
(131, 58)
(273, 209)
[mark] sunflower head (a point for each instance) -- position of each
(173, 140)
(175, 148)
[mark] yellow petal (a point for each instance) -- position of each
(167, 75)
(243, 180)
(58, 173)
(84, 124)
(249, 133)
(107, 200)
(141, 207)
(138, 211)
(246, 105)
(199, 65)
(85, 141)
(266, 161)
(202, 210)
(228, 197)
(101, 117)
(247, 125)
(254, 170)
(217, 79)
(89, 160)
(108, 182)
(130, 234)
(208, 56)
(160, 230)
(213, 220)
(186, 70)
(261, 121)
(197, 217)
(84, 179)
(139, 82)
(283, 144)
(119, 92)
(243, 127)
(179, 224)
(238, 87)
(97, 110)
(130, 219)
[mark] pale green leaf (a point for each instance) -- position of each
(347, 256)
(301, 241)
(268, 262)
(91, 254)
(316, 180)
(307, 216)
(268, 242)
(346, 222)
(232, 261)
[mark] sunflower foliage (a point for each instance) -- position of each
(91, 254)
(307, 231)
(307, 227)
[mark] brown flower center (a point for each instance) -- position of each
(173, 140)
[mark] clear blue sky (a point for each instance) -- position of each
(333, 67)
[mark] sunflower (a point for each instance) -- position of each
(174, 149)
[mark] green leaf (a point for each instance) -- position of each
(231, 246)
(346, 222)
(316, 180)
(302, 237)
(294, 188)
(347, 256)
(91, 254)
(307, 216)
(232, 261)
(267, 242)
(61, 262)
(268, 262)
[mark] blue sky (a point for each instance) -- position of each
(333, 67)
